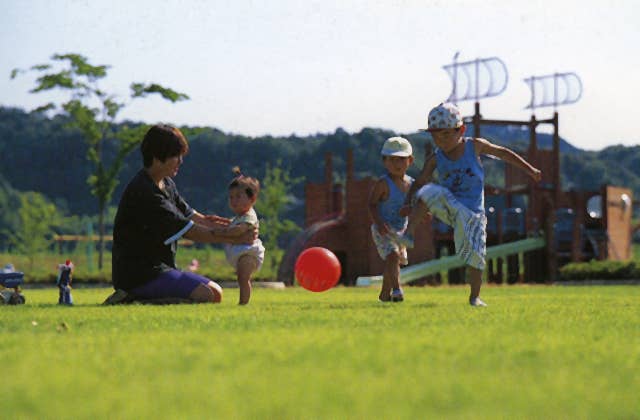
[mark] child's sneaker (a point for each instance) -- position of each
(397, 295)
(476, 302)
(405, 240)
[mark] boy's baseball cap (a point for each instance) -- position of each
(445, 115)
(397, 146)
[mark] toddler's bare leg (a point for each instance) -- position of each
(247, 265)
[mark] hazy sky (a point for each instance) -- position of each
(285, 66)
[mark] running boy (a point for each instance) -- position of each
(246, 259)
(458, 198)
(385, 200)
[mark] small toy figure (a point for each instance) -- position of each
(65, 272)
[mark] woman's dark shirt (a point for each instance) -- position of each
(146, 230)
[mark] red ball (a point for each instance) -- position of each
(317, 269)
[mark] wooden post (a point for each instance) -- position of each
(328, 181)
(556, 158)
(552, 259)
(532, 157)
(476, 120)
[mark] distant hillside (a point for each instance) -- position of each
(41, 154)
(517, 136)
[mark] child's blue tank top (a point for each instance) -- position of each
(390, 208)
(463, 177)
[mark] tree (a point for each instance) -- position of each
(273, 200)
(9, 202)
(34, 232)
(94, 111)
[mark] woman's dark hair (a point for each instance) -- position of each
(250, 185)
(163, 141)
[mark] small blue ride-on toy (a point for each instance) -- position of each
(11, 280)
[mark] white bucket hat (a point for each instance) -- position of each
(397, 146)
(446, 115)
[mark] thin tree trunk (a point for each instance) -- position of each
(101, 240)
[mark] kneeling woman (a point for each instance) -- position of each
(152, 217)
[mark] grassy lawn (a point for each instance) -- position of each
(535, 352)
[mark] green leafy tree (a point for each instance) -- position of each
(274, 198)
(93, 111)
(9, 202)
(37, 218)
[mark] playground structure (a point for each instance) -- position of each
(547, 233)
(534, 228)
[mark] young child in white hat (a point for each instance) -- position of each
(458, 197)
(385, 200)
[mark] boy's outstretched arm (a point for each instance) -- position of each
(486, 147)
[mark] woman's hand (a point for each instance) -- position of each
(210, 221)
(214, 220)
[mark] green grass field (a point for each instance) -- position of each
(536, 352)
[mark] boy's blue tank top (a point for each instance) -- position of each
(463, 177)
(389, 209)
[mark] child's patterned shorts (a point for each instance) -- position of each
(469, 228)
(386, 244)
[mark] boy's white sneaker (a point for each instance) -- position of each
(476, 302)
